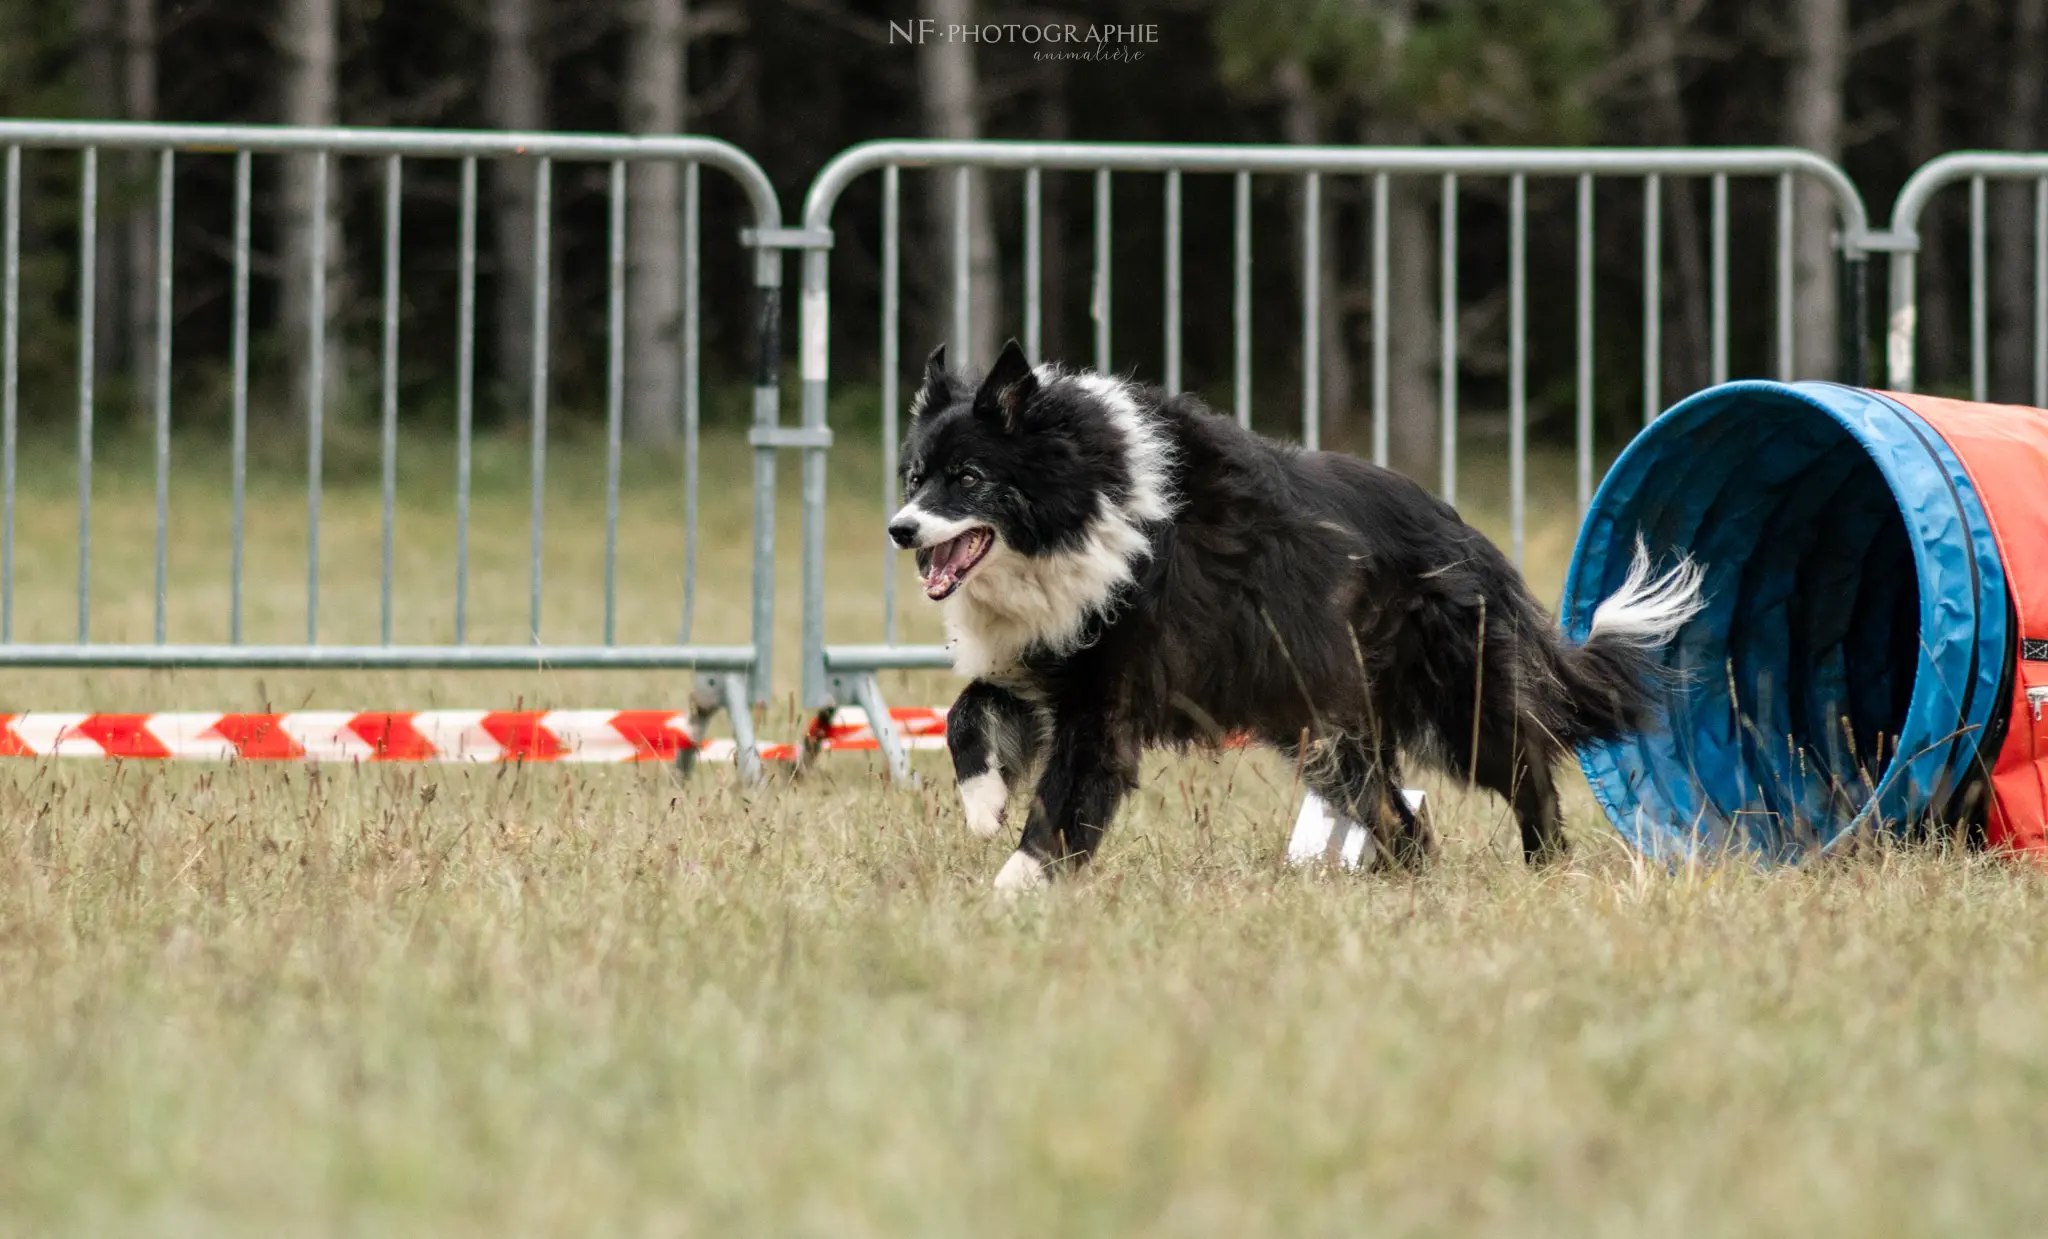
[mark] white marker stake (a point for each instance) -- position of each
(1313, 828)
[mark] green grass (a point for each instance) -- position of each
(268, 1000)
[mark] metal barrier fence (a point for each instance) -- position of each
(845, 673)
(837, 672)
(1902, 241)
(738, 672)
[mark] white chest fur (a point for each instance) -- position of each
(1015, 603)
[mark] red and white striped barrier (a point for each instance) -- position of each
(426, 736)
(919, 727)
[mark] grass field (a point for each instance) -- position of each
(265, 1000)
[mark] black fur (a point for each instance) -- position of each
(1304, 598)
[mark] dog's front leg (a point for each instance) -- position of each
(1084, 780)
(992, 734)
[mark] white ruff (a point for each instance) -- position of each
(1012, 603)
(985, 796)
(1020, 873)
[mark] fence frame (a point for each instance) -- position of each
(846, 674)
(1901, 240)
(739, 675)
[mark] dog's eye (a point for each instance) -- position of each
(912, 480)
(968, 478)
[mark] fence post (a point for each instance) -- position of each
(1854, 315)
(1902, 321)
(816, 356)
(767, 415)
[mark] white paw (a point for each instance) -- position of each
(1317, 827)
(985, 797)
(1022, 872)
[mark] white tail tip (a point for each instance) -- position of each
(1648, 609)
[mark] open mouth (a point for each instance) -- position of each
(945, 564)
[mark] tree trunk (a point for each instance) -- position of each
(1813, 106)
(2012, 222)
(99, 69)
(1924, 141)
(138, 90)
(1688, 365)
(515, 98)
(656, 80)
(952, 103)
(1302, 125)
(307, 36)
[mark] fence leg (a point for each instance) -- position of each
(705, 702)
(739, 707)
(1854, 319)
(867, 694)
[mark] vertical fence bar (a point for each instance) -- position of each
(1719, 296)
(166, 181)
(614, 394)
(1099, 304)
(815, 358)
(10, 388)
(814, 370)
(537, 416)
(1311, 309)
(1241, 297)
(388, 447)
(892, 343)
(1381, 327)
(963, 274)
(239, 414)
(1786, 360)
(1447, 343)
(1902, 302)
(1854, 273)
(465, 390)
(1518, 361)
(316, 394)
(2041, 293)
(693, 351)
(1980, 383)
(1584, 438)
(1034, 211)
(1653, 297)
(1173, 281)
(88, 280)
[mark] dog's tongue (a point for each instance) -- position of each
(949, 556)
(950, 560)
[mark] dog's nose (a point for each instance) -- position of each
(903, 533)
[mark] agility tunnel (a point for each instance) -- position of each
(1873, 654)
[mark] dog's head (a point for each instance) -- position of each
(1029, 463)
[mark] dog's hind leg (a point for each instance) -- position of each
(1362, 782)
(1516, 763)
(993, 737)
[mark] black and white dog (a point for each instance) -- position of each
(1122, 569)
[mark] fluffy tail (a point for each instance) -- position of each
(1614, 680)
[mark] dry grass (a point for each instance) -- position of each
(266, 1000)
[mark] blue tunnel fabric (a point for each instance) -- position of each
(1855, 631)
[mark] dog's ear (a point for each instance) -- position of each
(1010, 384)
(939, 388)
